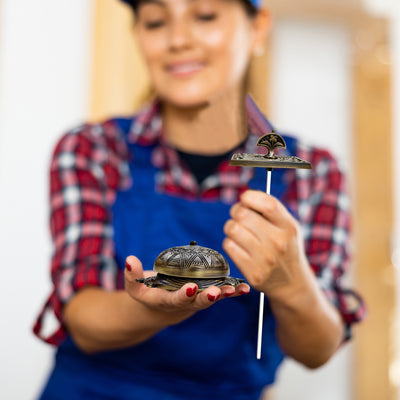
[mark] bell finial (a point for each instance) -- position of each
(271, 141)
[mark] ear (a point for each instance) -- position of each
(262, 26)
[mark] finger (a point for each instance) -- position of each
(240, 257)
(133, 270)
(152, 296)
(242, 289)
(207, 298)
(180, 299)
(227, 291)
(137, 290)
(246, 237)
(253, 221)
(269, 206)
(231, 291)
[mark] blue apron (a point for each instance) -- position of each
(210, 355)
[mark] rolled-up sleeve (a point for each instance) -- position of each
(88, 166)
(323, 208)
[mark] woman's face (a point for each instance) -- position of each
(196, 50)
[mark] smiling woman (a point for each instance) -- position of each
(138, 190)
(198, 52)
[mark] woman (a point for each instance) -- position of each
(160, 179)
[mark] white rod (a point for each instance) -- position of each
(269, 173)
(260, 325)
(261, 308)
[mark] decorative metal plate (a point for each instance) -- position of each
(262, 160)
(271, 141)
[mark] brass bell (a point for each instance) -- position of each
(179, 265)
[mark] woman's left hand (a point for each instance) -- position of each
(265, 242)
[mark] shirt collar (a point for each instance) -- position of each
(146, 128)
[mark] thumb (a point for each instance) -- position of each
(133, 269)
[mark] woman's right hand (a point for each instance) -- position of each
(100, 320)
(175, 306)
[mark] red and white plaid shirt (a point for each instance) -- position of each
(90, 164)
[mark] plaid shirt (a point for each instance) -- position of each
(91, 163)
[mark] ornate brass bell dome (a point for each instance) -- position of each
(179, 265)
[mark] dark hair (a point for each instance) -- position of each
(251, 10)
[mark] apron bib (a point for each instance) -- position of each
(197, 358)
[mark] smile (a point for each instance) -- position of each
(184, 69)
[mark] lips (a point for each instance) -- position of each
(184, 69)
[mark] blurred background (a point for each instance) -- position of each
(330, 74)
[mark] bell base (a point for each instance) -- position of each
(161, 281)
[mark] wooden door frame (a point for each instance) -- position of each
(374, 211)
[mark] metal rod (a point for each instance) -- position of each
(261, 308)
(269, 173)
(260, 325)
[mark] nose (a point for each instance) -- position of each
(179, 35)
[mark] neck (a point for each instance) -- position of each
(214, 128)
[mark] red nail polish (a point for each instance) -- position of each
(228, 294)
(128, 266)
(243, 292)
(213, 298)
(190, 292)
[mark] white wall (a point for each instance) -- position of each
(311, 85)
(43, 91)
(311, 98)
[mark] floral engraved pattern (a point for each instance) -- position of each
(271, 141)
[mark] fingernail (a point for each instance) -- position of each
(190, 292)
(128, 266)
(228, 294)
(244, 292)
(213, 298)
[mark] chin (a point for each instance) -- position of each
(186, 101)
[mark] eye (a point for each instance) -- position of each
(207, 17)
(154, 24)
